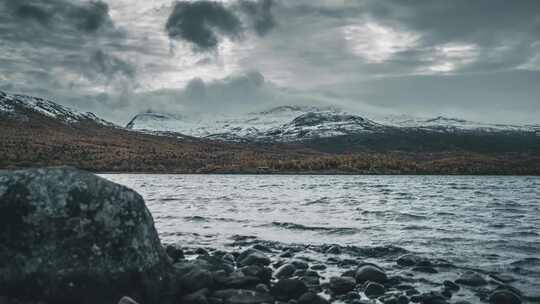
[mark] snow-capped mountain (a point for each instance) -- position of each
(449, 125)
(17, 106)
(283, 124)
(297, 123)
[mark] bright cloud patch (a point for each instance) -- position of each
(377, 43)
(452, 56)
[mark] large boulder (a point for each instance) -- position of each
(67, 236)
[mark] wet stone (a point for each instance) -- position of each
(373, 289)
(408, 260)
(403, 299)
(471, 278)
(425, 269)
(264, 274)
(287, 289)
(199, 297)
(318, 267)
(253, 257)
(285, 271)
(262, 248)
(176, 254)
(341, 285)
(334, 250)
(201, 251)
(504, 296)
(123, 300)
(371, 273)
(451, 285)
(300, 264)
(239, 296)
(312, 298)
(433, 298)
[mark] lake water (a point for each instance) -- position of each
(490, 223)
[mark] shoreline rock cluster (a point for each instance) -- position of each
(67, 236)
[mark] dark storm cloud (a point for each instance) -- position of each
(203, 22)
(199, 22)
(88, 17)
(61, 45)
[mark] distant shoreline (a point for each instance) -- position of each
(314, 173)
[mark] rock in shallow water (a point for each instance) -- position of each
(253, 257)
(504, 296)
(471, 278)
(70, 236)
(373, 289)
(285, 271)
(371, 273)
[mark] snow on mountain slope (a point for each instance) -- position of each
(295, 123)
(445, 124)
(284, 124)
(250, 126)
(10, 104)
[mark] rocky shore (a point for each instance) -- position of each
(67, 236)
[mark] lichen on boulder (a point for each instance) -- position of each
(70, 236)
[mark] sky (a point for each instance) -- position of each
(472, 59)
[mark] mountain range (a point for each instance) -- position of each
(301, 124)
(285, 139)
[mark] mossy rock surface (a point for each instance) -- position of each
(70, 236)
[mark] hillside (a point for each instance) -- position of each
(31, 136)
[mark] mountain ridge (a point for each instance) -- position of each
(10, 102)
(291, 123)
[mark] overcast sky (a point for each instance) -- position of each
(475, 59)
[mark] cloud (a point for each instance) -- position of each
(203, 23)
(62, 47)
(259, 14)
(115, 57)
(199, 22)
(110, 66)
(85, 16)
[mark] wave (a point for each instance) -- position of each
(195, 218)
(530, 261)
(410, 216)
(417, 227)
(322, 200)
(329, 230)
(198, 218)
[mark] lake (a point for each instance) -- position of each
(488, 223)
